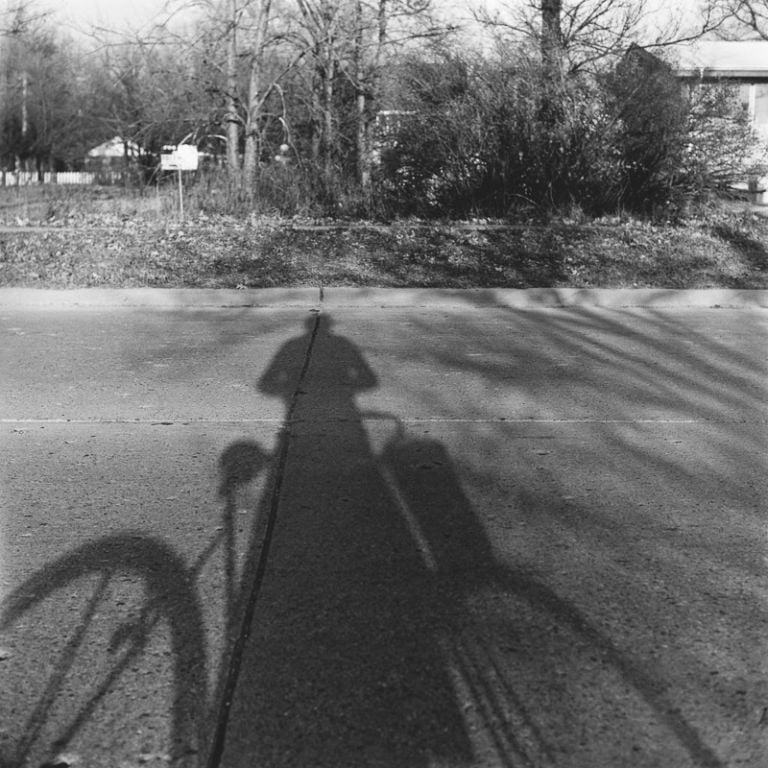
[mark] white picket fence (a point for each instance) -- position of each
(27, 178)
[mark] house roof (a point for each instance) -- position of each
(115, 147)
(709, 59)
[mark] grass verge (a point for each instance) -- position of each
(727, 250)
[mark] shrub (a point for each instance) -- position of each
(651, 114)
(722, 148)
(512, 139)
(678, 143)
(506, 137)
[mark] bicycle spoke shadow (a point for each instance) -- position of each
(170, 598)
(512, 635)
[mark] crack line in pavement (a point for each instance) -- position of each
(217, 747)
(145, 422)
(416, 420)
(505, 420)
(333, 420)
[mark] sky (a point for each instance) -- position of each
(119, 15)
(124, 15)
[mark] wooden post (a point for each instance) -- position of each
(181, 197)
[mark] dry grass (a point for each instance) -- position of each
(114, 239)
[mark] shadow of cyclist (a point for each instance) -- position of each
(386, 631)
(342, 668)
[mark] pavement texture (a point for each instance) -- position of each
(370, 528)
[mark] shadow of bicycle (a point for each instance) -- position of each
(386, 631)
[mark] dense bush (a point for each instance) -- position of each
(678, 143)
(651, 112)
(513, 139)
(510, 137)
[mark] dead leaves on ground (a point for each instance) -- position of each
(267, 252)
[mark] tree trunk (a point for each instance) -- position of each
(551, 36)
(369, 85)
(232, 118)
(364, 163)
(317, 110)
(363, 167)
(252, 137)
(255, 99)
(329, 134)
(24, 106)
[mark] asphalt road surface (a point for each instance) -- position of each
(451, 535)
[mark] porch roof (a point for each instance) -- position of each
(713, 59)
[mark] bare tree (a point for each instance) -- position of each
(574, 35)
(736, 16)
(383, 27)
(234, 41)
(371, 38)
(349, 44)
(323, 37)
(552, 40)
(42, 92)
(259, 86)
(231, 120)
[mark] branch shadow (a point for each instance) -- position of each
(752, 250)
(705, 378)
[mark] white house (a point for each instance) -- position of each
(741, 62)
(115, 147)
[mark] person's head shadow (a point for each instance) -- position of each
(328, 362)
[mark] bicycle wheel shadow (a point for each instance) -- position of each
(119, 644)
(387, 632)
(170, 598)
(137, 600)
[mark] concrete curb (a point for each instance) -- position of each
(159, 298)
(337, 298)
(532, 298)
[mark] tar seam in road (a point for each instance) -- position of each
(217, 746)
(364, 419)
